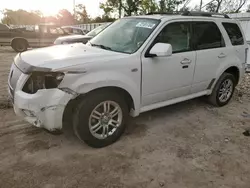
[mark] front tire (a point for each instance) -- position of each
(100, 118)
(223, 90)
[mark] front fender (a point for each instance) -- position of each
(86, 83)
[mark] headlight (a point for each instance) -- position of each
(42, 80)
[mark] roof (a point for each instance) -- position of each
(187, 14)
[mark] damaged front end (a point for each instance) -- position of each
(37, 96)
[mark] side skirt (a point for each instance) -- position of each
(174, 101)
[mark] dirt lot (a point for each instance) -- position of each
(190, 144)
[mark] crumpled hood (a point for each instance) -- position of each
(60, 56)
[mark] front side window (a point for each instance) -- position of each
(125, 35)
(177, 34)
(207, 35)
(234, 33)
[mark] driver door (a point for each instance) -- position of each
(166, 78)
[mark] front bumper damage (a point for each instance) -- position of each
(43, 109)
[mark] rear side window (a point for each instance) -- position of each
(207, 35)
(234, 33)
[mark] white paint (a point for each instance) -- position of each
(152, 82)
(161, 50)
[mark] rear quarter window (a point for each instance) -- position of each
(207, 36)
(234, 33)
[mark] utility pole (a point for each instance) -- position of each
(200, 5)
(74, 9)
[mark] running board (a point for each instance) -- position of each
(173, 101)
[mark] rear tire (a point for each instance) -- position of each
(223, 90)
(19, 45)
(93, 121)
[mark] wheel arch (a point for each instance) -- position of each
(69, 109)
(19, 38)
(232, 69)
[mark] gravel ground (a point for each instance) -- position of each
(187, 145)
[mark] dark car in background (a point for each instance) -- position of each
(20, 39)
(74, 30)
(80, 38)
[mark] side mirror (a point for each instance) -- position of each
(161, 50)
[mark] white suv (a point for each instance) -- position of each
(137, 64)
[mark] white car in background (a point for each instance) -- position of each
(137, 64)
(80, 38)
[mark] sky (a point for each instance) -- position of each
(51, 7)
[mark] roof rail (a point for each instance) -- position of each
(163, 13)
(191, 13)
(207, 14)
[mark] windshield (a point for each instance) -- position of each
(97, 30)
(125, 35)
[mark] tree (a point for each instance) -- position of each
(233, 6)
(211, 7)
(131, 7)
(64, 17)
(112, 6)
(228, 6)
(135, 7)
(162, 6)
(170, 5)
(21, 17)
(81, 14)
(104, 18)
(148, 6)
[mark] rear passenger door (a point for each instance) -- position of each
(210, 47)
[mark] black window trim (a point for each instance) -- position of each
(208, 21)
(148, 55)
(229, 36)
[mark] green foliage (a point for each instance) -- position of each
(148, 6)
(21, 17)
(81, 14)
(135, 7)
(63, 17)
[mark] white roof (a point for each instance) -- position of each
(176, 16)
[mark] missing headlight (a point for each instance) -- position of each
(42, 80)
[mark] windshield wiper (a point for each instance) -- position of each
(101, 46)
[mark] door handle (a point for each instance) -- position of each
(186, 61)
(222, 55)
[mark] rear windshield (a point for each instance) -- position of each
(234, 33)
